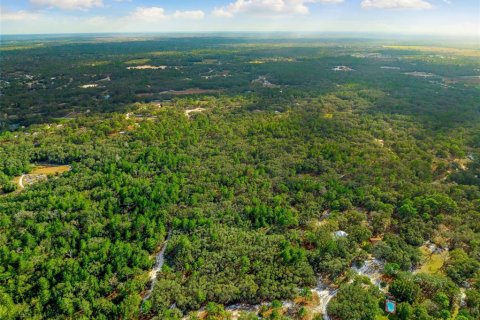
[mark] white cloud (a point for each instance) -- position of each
(68, 4)
(151, 14)
(194, 14)
(325, 1)
(157, 14)
(396, 4)
(267, 7)
(7, 15)
(222, 12)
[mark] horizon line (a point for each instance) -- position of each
(306, 32)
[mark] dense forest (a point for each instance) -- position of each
(260, 167)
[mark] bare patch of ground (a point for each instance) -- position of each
(380, 142)
(433, 259)
(272, 59)
(262, 80)
(196, 110)
(462, 163)
(146, 67)
(342, 68)
(420, 74)
(40, 173)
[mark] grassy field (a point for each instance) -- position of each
(50, 169)
(432, 262)
(42, 170)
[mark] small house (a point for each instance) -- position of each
(340, 234)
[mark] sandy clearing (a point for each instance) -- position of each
(342, 68)
(420, 74)
(380, 142)
(188, 112)
(43, 170)
(146, 67)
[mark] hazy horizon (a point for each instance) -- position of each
(310, 38)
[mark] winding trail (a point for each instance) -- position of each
(20, 181)
(325, 294)
(373, 269)
(159, 261)
(324, 291)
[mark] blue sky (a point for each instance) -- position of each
(443, 17)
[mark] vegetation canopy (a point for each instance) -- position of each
(236, 177)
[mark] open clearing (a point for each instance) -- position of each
(342, 68)
(40, 173)
(273, 59)
(420, 74)
(196, 110)
(432, 261)
(50, 169)
(147, 67)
